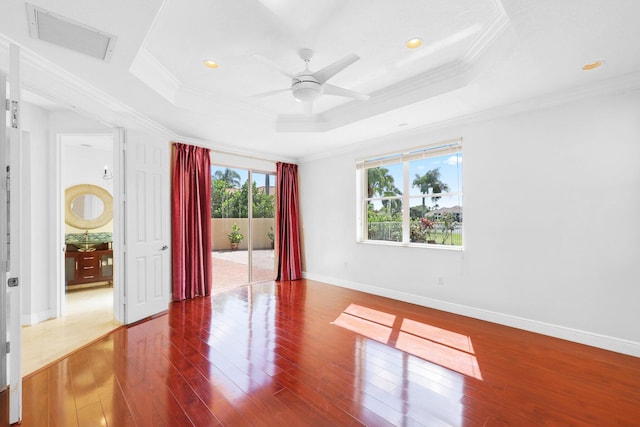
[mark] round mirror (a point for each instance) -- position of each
(87, 206)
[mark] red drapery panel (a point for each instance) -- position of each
(191, 222)
(287, 229)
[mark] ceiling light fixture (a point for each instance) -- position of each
(414, 43)
(593, 65)
(210, 63)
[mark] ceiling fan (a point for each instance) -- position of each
(307, 85)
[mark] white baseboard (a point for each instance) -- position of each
(606, 342)
(32, 319)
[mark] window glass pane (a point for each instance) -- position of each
(262, 226)
(440, 174)
(384, 220)
(384, 181)
(438, 220)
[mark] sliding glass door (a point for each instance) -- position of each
(262, 226)
(241, 231)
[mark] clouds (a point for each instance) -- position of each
(454, 160)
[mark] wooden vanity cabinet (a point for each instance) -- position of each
(88, 267)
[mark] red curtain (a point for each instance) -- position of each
(289, 266)
(191, 222)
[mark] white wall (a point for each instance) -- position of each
(551, 237)
(35, 202)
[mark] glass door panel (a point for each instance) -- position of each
(229, 226)
(263, 226)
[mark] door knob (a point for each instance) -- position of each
(164, 248)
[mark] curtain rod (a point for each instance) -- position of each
(246, 156)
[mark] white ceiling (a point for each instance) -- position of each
(477, 55)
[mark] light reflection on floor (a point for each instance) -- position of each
(392, 347)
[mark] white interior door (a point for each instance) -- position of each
(4, 317)
(147, 227)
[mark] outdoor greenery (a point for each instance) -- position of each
(229, 199)
(430, 181)
(381, 184)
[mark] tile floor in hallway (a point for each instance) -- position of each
(89, 315)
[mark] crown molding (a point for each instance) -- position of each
(154, 74)
(613, 86)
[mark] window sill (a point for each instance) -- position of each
(412, 245)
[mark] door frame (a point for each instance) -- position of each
(58, 299)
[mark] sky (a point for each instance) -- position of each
(450, 174)
(244, 175)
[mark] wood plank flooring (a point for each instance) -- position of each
(309, 354)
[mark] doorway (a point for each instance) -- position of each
(85, 286)
(87, 168)
(242, 232)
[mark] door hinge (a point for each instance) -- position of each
(12, 108)
(8, 348)
(13, 282)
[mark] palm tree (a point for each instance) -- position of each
(231, 177)
(381, 183)
(431, 179)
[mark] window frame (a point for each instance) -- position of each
(453, 146)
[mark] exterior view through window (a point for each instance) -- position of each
(242, 232)
(413, 197)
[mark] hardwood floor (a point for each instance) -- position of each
(306, 353)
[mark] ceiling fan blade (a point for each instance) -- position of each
(308, 108)
(269, 93)
(331, 70)
(275, 66)
(340, 91)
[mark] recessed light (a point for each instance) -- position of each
(414, 43)
(592, 65)
(210, 63)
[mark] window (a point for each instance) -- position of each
(413, 197)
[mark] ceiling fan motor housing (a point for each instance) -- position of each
(306, 88)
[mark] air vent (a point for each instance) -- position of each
(52, 28)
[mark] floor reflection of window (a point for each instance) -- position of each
(408, 370)
(252, 363)
(397, 388)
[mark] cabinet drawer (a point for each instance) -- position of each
(87, 258)
(84, 264)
